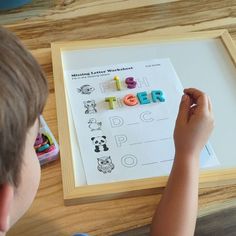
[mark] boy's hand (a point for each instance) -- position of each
(194, 123)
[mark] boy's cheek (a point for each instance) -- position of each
(26, 192)
(29, 179)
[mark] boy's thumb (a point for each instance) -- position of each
(184, 108)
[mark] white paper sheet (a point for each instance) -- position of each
(128, 142)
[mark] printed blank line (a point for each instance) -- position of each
(167, 160)
(162, 119)
(136, 143)
(151, 141)
(133, 123)
(162, 139)
(150, 163)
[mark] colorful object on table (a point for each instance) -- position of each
(37, 146)
(118, 84)
(142, 97)
(39, 140)
(130, 100)
(111, 101)
(157, 95)
(43, 148)
(11, 4)
(51, 148)
(45, 145)
(42, 144)
(49, 138)
(131, 83)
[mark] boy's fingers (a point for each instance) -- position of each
(200, 98)
(194, 93)
(184, 108)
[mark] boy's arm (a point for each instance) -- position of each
(177, 211)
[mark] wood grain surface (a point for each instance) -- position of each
(42, 22)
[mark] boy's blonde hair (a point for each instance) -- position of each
(23, 93)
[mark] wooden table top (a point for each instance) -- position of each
(42, 22)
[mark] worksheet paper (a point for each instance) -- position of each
(127, 142)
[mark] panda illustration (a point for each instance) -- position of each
(100, 143)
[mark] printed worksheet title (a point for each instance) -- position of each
(99, 72)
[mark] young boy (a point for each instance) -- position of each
(23, 92)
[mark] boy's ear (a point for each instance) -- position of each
(6, 199)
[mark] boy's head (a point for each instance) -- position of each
(23, 92)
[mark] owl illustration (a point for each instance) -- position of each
(105, 164)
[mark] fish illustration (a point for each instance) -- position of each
(85, 89)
